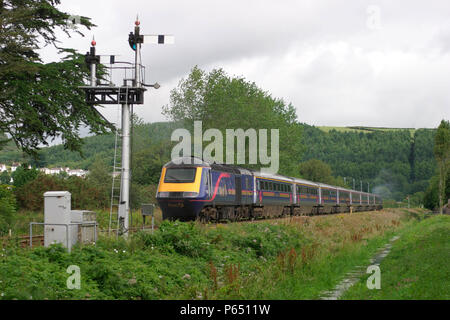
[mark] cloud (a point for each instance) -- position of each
(379, 63)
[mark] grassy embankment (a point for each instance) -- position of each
(417, 267)
(294, 258)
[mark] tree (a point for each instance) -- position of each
(317, 171)
(41, 101)
(223, 102)
(23, 175)
(99, 177)
(147, 164)
(5, 178)
(442, 154)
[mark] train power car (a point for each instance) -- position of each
(191, 189)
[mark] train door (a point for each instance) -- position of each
(238, 188)
(209, 184)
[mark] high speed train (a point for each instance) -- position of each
(192, 189)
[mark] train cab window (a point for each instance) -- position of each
(180, 175)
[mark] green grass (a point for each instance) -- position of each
(416, 268)
(285, 259)
(311, 278)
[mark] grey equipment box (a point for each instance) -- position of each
(86, 230)
(57, 211)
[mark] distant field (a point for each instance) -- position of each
(366, 129)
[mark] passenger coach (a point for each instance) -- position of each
(190, 189)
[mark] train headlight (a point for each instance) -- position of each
(163, 194)
(190, 194)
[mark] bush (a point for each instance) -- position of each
(7, 208)
(84, 195)
(183, 238)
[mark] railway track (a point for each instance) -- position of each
(24, 241)
(283, 218)
(38, 240)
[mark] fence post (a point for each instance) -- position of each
(31, 235)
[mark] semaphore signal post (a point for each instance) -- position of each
(127, 95)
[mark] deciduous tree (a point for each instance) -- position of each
(442, 154)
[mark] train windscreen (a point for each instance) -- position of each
(180, 175)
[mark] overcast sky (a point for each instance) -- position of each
(340, 63)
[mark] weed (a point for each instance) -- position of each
(213, 274)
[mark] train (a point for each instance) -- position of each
(193, 189)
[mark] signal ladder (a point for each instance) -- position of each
(116, 190)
